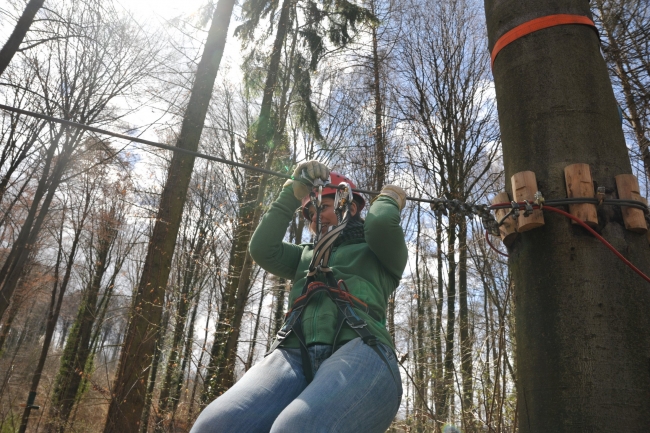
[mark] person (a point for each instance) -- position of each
(334, 368)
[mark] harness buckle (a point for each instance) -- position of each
(288, 324)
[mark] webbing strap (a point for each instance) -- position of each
(535, 25)
(323, 248)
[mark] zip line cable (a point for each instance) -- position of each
(439, 206)
(434, 201)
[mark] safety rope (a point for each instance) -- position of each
(543, 205)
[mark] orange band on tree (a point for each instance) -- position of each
(535, 25)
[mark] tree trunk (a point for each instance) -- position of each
(129, 390)
(583, 346)
(172, 371)
(465, 334)
(153, 374)
(278, 315)
(438, 392)
(78, 348)
(20, 249)
(446, 399)
(55, 308)
(220, 371)
(22, 26)
(420, 353)
(251, 350)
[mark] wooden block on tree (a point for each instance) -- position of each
(628, 189)
(524, 187)
(508, 229)
(579, 184)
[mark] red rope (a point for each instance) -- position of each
(600, 238)
(592, 231)
(487, 239)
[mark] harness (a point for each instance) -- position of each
(338, 292)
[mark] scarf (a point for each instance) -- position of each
(353, 230)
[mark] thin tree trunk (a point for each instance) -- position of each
(465, 332)
(278, 315)
(448, 384)
(251, 350)
(420, 359)
(199, 365)
(439, 395)
(78, 348)
(20, 249)
(129, 390)
(576, 304)
(153, 374)
(183, 307)
(55, 307)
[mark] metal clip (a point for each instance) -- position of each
(515, 210)
(600, 195)
(539, 200)
(529, 208)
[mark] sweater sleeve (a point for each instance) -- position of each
(267, 247)
(384, 235)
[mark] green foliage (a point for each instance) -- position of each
(252, 12)
(325, 23)
(302, 83)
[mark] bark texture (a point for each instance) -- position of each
(583, 340)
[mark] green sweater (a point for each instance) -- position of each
(371, 267)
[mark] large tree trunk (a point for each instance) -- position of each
(583, 345)
(22, 26)
(129, 390)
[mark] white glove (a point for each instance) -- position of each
(312, 170)
(396, 193)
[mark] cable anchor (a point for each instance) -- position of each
(515, 210)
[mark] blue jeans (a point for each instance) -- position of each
(353, 391)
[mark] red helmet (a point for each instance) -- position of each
(335, 179)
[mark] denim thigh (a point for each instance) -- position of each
(352, 391)
(253, 403)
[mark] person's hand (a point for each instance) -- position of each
(312, 170)
(396, 193)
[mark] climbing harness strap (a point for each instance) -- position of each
(535, 25)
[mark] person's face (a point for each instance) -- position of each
(327, 215)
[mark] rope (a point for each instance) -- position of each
(438, 205)
(547, 207)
